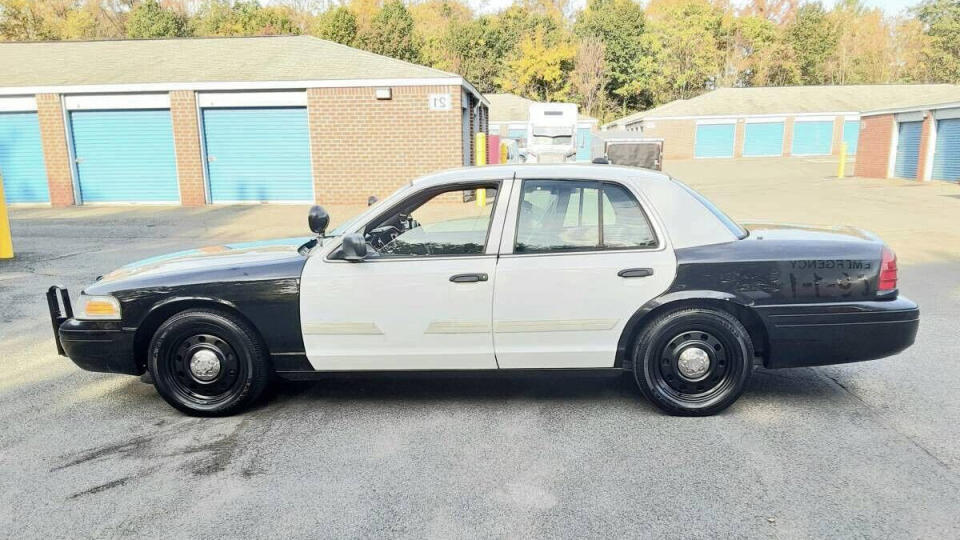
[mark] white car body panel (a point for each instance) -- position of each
(546, 310)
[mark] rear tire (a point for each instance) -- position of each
(208, 363)
(693, 362)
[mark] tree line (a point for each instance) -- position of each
(612, 57)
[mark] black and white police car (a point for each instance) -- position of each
(500, 268)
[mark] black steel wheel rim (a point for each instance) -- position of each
(721, 374)
(186, 385)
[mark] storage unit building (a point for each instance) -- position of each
(814, 121)
(291, 119)
(21, 158)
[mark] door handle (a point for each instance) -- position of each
(635, 272)
(468, 278)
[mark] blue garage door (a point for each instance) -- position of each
(714, 140)
(258, 154)
(851, 135)
(21, 158)
(812, 138)
(908, 149)
(946, 157)
(125, 156)
(763, 139)
(583, 144)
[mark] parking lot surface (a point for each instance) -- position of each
(861, 450)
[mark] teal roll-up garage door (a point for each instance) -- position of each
(258, 154)
(813, 138)
(763, 139)
(946, 157)
(851, 135)
(125, 156)
(21, 158)
(908, 149)
(714, 140)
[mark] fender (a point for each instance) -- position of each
(678, 298)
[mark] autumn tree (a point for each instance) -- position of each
(589, 76)
(432, 23)
(539, 70)
(243, 18)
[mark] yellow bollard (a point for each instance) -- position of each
(504, 150)
(6, 242)
(480, 148)
(841, 167)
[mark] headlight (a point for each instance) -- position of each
(98, 308)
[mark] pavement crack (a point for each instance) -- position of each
(102, 487)
(880, 420)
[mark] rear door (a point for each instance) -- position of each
(578, 258)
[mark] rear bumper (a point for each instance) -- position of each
(92, 345)
(822, 334)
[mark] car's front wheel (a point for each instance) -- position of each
(693, 362)
(208, 363)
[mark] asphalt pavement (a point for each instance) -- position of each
(860, 450)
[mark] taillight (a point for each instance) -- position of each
(888, 271)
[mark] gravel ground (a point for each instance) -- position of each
(862, 450)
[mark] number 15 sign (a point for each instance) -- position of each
(440, 102)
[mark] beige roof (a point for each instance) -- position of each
(280, 58)
(801, 99)
(514, 108)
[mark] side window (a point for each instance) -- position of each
(440, 223)
(567, 215)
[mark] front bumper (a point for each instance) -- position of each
(103, 346)
(822, 334)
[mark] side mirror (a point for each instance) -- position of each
(318, 219)
(354, 247)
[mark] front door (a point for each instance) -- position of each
(422, 297)
(583, 258)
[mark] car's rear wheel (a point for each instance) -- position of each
(693, 362)
(208, 363)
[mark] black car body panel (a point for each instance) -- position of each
(259, 280)
(813, 289)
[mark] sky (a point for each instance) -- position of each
(891, 7)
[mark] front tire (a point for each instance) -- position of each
(208, 363)
(693, 362)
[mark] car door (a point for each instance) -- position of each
(578, 258)
(422, 298)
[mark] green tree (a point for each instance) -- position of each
(338, 24)
(814, 40)
(478, 51)
(151, 20)
(391, 33)
(432, 21)
(620, 26)
(941, 21)
(243, 18)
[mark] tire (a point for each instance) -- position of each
(695, 383)
(228, 377)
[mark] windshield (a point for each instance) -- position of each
(730, 224)
(351, 222)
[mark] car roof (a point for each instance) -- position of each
(536, 170)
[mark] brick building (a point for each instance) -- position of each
(918, 141)
(773, 121)
(224, 120)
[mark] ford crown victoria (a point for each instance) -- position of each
(521, 267)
